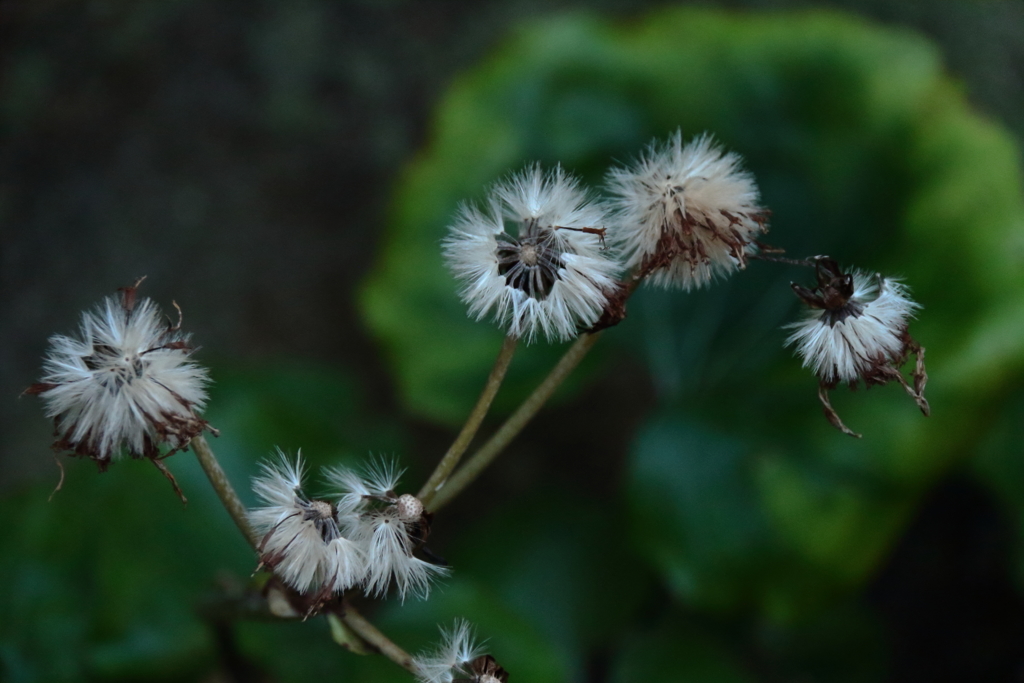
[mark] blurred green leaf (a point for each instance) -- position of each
(108, 573)
(843, 643)
(695, 514)
(560, 562)
(675, 651)
(299, 651)
(1000, 467)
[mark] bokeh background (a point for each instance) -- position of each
(284, 170)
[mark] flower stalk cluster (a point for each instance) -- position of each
(545, 258)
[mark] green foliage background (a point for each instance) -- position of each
(743, 520)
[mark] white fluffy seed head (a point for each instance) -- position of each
(550, 275)
(872, 333)
(685, 213)
(377, 479)
(127, 381)
(383, 525)
(451, 658)
(389, 544)
(301, 539)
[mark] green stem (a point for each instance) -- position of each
(377, 640)
(223, 487)
(469, 430)
(515, 423)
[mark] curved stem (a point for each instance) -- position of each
(469, 430)
(515, 423)
(223, 487)
(377, 640)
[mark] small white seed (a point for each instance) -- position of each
(409, 507)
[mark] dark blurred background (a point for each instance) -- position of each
(264, 165)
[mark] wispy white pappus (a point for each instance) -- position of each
(857, 331)
(388, 528)
(301, 538)
(458, 657)
(126, 381)
(683, 214)
(847, 344)
(551, 274)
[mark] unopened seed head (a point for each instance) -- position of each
(409, 507)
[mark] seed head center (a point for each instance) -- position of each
(529, 255)
(320, 509)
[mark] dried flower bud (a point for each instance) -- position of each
(685, 214)
(553, 276)
(857, 331)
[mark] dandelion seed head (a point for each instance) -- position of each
(852, 338)
(551, 274)
(685, 213)
(301, 538)
(127, 381)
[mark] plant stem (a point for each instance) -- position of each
(469, 430)
(377, 640)
(223, 487)
(810, 263)
(515, 423)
